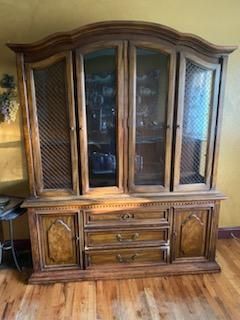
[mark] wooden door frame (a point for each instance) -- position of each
(38, 173)
(132, 113)
(215, 67)
(211, 227)
(119, 46)
(41, 239)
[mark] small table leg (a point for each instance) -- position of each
(12, 246)
(1, 252)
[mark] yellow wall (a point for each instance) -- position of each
(217, 21)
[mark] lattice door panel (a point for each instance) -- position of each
(53, 125)
(197, 112)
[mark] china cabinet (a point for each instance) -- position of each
(122, 126)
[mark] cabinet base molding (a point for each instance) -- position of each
(152, 271)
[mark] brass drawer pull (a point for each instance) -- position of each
(126, 259)
(132, 238)
(127, 216)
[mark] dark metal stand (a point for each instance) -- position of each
(10, 213)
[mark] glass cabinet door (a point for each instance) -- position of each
(151, 108)
(196, 119)
(53, 129)
(100, 119)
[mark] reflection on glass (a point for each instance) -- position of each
(100, 84)
(196, 119)
(151, 105)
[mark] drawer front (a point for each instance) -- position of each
(126, 237)
(126, 257)
(126, 217)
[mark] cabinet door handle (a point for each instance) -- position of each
(126, 259)
(64, 224)
(120, 238)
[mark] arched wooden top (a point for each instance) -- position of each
(72, 39)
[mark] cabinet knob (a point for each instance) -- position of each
(178, 126)
(127, 216)
(72, 128)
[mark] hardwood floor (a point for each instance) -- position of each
(209, 296)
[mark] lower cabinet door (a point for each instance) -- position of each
(191, 233)
(59, 240)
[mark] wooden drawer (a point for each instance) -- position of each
(134, 237)
(126, 257)
(126, 217)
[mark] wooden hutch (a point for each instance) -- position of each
(122, 125)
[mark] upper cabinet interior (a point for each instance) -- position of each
(196, 121)
(100, 83)
(121, 107)
(151, 96)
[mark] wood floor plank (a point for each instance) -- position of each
(193, 297)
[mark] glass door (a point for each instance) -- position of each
(152, 70)
(195, 123)
(100, 79)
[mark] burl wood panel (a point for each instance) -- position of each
(59, 239)
(192, 231)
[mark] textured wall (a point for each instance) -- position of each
(217, 21)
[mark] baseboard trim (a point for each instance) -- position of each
(228, 232)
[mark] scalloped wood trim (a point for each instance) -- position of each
(127, 205)
(71, 39)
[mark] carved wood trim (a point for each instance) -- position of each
(71, 39)
(135, 205)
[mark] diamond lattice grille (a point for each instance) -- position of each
(53, 123)
(196, 119)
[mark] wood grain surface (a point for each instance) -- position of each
(210, 296)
